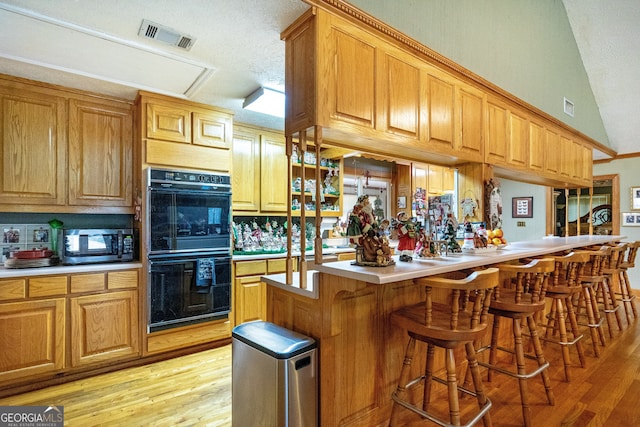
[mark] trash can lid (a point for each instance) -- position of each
(272, 339)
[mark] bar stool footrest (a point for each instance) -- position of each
(483, 410)
(527, 375)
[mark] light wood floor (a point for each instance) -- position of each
(195, 390)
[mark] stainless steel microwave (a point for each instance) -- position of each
(89, 246)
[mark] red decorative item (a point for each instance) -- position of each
(32, 254)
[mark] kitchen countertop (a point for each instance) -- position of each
(325, 251)
(422, 267)
(67, 269)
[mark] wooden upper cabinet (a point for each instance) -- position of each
(273, 174)
(212, 129)
(401, 106)
(246, 167)
(568, 160)
(168, 122)
(537, 145)
(470, 119)
(440, 96)
(33, 147)
(352, 94)
(175, 122)
(420, 177)
(497, 133)
(518, 149)
(100, 154)
(552, 146)
(368, 88)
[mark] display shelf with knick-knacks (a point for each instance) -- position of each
(304, 196)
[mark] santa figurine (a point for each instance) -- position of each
(406, 237)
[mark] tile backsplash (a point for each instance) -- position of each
(18, 237)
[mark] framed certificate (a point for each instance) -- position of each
(522, 207)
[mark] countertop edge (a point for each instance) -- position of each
(67, 269)
(428, 267)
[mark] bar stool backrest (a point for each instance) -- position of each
(526, 279)
(568, 270)
(630, 256)
(615, 259)
(598, 260)
(471, 294)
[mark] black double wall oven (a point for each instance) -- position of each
(189, 247)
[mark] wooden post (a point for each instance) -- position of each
(289, 152)
(591, 210)
(566, 212)
(318, 240)
(302, 265)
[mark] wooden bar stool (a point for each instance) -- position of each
(448, 322)
(625, 294)
(563, 286)
(593, 284)
(519, 298)
(612, 274)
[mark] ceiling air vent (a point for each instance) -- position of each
(158, 32)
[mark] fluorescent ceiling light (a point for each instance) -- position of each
(265, 101)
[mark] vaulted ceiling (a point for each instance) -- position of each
(94, 45)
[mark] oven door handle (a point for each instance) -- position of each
(173, 260)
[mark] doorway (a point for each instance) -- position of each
(595, 210)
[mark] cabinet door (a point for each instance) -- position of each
(168, 123)
(352, 93)
(273, 174)
(100, 154)
(435, 180)
(552, 146)
(420, 175)
(32, 148)
(212, 129)
(537, 137)
(401, 101)
(104, 327)
(518, 140)
(251, 299)
(246, 170)
(497, 136)
(470, 119)
(32, 338)
(440, 94)
(568, 162)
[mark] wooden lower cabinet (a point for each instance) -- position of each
(251, 299)
(32, 338)
(250, 293)
(51, 325)
(104, 327)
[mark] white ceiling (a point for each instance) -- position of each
(94, 45)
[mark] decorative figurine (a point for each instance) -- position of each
(469, 234)
(372, 247)
(450, 236)
(406, 237)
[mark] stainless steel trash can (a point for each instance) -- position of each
(274, 377)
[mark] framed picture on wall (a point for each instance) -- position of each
(522, 207)
(635, 198)
(630, 219)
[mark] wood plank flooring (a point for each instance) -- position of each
(195, 390)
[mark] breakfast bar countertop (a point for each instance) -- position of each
(421, 267)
